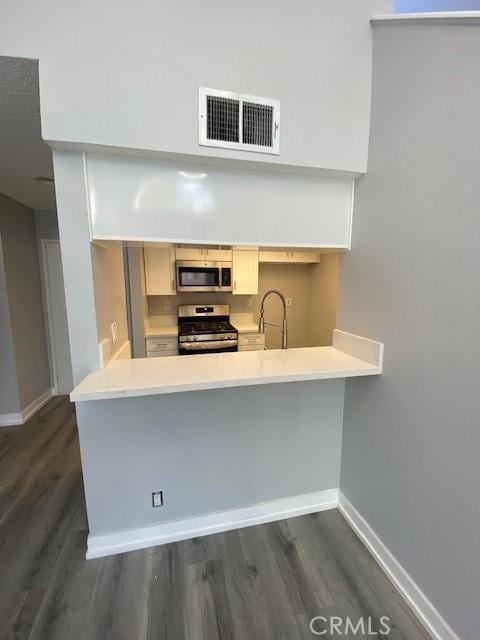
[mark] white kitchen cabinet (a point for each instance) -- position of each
(251, 341)
(300, 257)
(160, 271)
(204, 254)
(245, 271)
(157, 347)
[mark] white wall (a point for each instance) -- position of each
(132, 70)
(411, 443)
(74, 230)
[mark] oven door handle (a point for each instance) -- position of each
(219, 345)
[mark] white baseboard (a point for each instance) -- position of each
(12, 419)
(132, 539)
(418, 601)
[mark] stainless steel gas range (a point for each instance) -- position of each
(205, 329)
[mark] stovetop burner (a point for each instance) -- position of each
(195, 327)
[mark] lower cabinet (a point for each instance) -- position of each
(157, 347)
(251, 341)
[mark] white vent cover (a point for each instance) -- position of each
(237, 121)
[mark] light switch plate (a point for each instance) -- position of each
(114, 331)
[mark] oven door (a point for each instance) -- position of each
(207, 346)
(194, 275)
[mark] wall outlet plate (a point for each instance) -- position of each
(157, 498)
(114, 331)
(289, 302)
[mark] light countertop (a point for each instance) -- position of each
(173, 374)
(246, 327)
(161, 332)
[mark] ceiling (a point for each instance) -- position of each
(23, 154)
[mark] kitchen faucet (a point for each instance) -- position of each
(262, 323)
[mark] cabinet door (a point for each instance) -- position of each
(305, 257)
(245, 272)
(190, 253)
(222, 255)
(160, 271)
(274, 256)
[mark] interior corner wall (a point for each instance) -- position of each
(323, 286)
(9, 398)
(109, 288)
(23, 284)
(411, 440)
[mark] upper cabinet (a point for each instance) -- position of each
(160, 271)
(245, 271)
(205, 255)
(302, 257)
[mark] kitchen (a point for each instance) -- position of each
(235, 279)
(359, 204)
(269, 360)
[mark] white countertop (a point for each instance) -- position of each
(246, 327)
(173, 374)
(161, 332)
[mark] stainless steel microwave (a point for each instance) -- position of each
(195, 275)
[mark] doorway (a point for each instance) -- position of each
(56, 311)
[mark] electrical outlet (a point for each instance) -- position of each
(157, 499)
(114, 331)
(249, 302)
(289, 302)
(167, 306)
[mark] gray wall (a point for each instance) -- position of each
(208, 451)
(46, 225)
(22, 271)
(411, 437)
(9, 399)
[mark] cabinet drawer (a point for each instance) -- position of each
(251, 340)
(157, 345)
(161, 354)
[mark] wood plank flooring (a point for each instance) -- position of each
(264, 582)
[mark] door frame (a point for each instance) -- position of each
(48, 312)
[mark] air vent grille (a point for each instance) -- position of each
(222, 119)
(237, 121)
(257, 124)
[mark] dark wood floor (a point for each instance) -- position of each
(257, 583)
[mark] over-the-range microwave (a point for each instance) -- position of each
(196, 275)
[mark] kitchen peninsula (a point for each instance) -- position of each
(216, 441)
(349, 356)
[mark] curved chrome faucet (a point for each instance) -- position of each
(262, 323)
